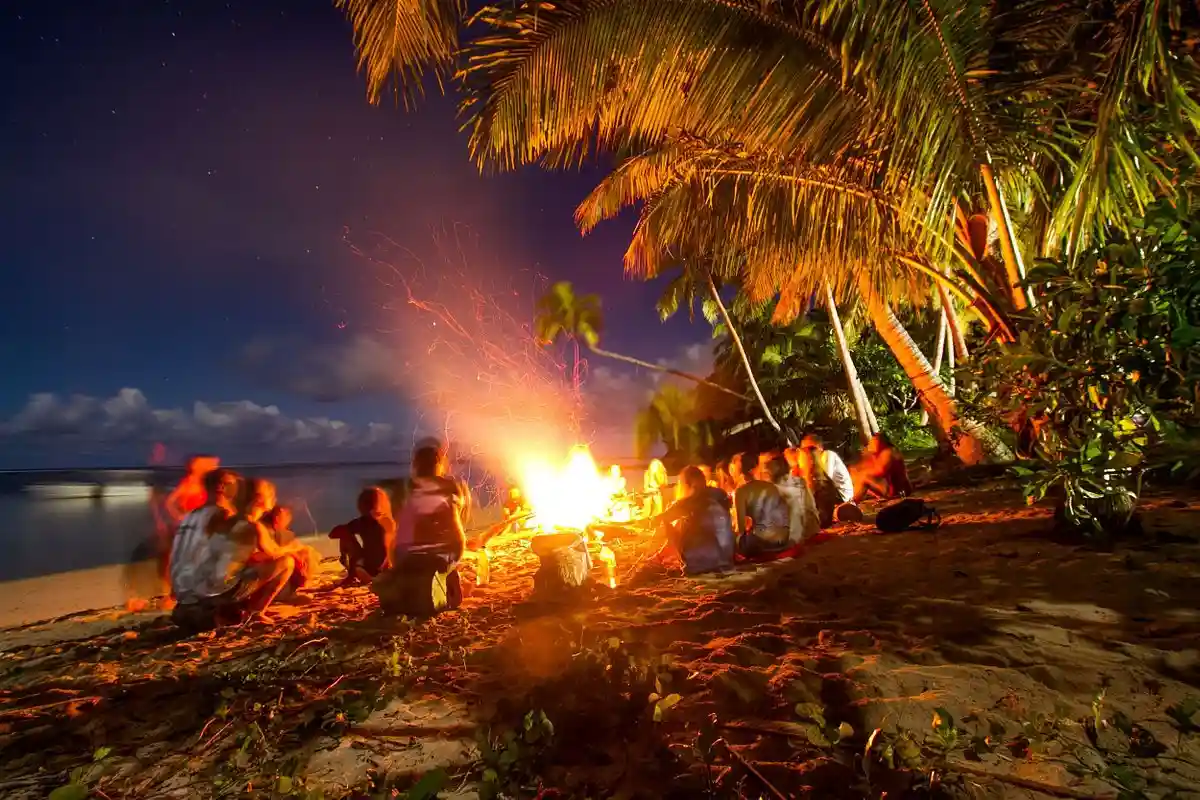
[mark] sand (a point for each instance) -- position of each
(1013, 641)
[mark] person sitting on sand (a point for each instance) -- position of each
(881, 473)
(654, 483)
(762, 517)
(211, 574)
(804, 521)
(364, 542)
(515, 509)
(697, 527)
(825, 495)
(430, 539)
(737, 471)
(306, 560)
(722, 479)
(832, 465)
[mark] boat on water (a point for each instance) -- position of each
(65, 491)
(89, 491)
(125, 491)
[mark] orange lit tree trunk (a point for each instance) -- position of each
(971, 442)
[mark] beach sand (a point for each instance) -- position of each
(978, 658)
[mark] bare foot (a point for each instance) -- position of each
(135, 604)
(166, 603)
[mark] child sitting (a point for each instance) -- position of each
(279, 524)
(364, 542)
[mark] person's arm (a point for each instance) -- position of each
(676, 511)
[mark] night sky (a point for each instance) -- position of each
(181, 182)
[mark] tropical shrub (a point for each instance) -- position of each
(1101, 383)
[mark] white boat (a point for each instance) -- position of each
(65, 491)
(125, 491)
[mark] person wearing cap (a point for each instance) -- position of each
(430, 538)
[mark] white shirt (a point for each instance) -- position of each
(835, 468)
(202, 565)
(804, 520)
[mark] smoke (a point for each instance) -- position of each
(466, 355)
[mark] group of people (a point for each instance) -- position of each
(230, 553)
(765, 511)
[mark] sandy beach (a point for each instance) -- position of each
(989, 659)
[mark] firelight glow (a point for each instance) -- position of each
(573, 495)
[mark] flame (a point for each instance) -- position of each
(609, 560)
(571, 496)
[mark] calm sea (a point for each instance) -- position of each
(41, 535)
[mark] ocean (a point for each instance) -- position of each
(42, 535)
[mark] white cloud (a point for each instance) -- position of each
(51, 428)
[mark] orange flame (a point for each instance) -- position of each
(571, 496)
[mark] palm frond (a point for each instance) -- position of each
(398, 41)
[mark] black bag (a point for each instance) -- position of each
(910, 513)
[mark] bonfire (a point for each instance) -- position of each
(567, 503)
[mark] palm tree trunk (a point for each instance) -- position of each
(938, 353)
(971, 442)
(737, 342)
(669, 371)
(866, 429)
(953, 326)
(1014, 269)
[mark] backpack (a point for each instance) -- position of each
(910, 513)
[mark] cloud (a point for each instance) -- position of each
(327, 373)
(120, 429)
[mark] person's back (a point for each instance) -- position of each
(430, 518)
(804, 521)
(706, 539)
(201, 551)
(763, 516)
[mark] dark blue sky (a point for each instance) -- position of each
(177, 184)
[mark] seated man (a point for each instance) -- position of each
(697, 527)
(832, 465)
(763, 518)
(225, 567)
(420, 577)
(364, 542)
(882, 472)
(805, 522)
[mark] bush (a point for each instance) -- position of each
(1102, 378)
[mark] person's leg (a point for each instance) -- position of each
(269, 580)
(351, 556)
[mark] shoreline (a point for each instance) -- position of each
(82, 594)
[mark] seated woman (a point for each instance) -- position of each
(364, 541)
(226, 567)
(763, 517)
(420, 576)
(697, 527)
(882, 472)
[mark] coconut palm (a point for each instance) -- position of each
(563, 313)
(673, 418)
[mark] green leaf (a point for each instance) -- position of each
(101, 753)
(816, 736)
(72, 791)
(811, 711)
(430, 785)
(283, 785)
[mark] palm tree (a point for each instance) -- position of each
(560, 312)
(867, 424)
(673, 417)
